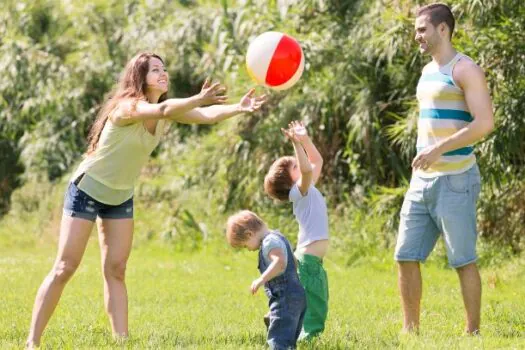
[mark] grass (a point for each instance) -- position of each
(201, 300)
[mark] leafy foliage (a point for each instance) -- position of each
(356, 95)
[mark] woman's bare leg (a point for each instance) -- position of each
(115, 238)
(74, 235)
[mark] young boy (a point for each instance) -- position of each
(278, 275)
(293, 179)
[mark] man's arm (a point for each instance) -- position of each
(471, 79)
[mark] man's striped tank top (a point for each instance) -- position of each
(442, 112)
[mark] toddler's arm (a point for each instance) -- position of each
(276, 267)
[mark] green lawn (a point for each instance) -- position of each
(201, 300)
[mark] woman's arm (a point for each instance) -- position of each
(131, 111)
(216, 113)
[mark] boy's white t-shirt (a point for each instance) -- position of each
(312, 214)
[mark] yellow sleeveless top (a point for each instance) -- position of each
(122, 151)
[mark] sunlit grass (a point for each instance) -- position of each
(201, 300)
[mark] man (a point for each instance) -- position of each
(455, 112)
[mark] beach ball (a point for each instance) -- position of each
(275, 60)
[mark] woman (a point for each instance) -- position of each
(126, 131)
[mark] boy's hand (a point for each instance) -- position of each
(256, 284)
(289, 133)
(296, 132)
(299, 130)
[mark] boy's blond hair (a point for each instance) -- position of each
(278, 182)
(241, 226)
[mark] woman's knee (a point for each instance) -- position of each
(115, 270)
(64, 270)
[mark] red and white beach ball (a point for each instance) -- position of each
(275, 60)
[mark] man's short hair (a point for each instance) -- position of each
(438, 14)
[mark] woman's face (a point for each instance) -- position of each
(157, 78)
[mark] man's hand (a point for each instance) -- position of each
(426, 158)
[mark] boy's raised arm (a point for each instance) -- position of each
(302, 159)
(304, 166)
(314, 157)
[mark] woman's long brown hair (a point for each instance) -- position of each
(132, 84)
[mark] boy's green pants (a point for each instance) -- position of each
(313, 278)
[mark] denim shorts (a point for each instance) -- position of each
(79, 204)
(440, 205)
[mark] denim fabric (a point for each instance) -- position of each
(79, 204)
(440, 205)
(287, 302)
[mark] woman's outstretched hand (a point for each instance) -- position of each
(250, 103)
(212, 94)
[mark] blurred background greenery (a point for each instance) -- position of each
(357, 95)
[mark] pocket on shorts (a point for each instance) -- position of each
(458, 183)
(74, 199)
(475, 186)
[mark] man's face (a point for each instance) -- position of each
(427, 35)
